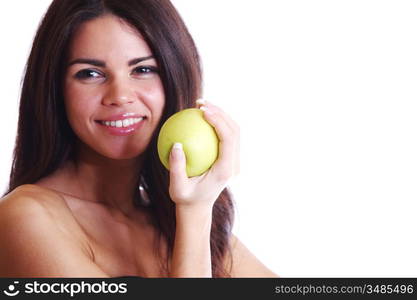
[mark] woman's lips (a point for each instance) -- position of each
(123, 126)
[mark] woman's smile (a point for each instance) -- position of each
(124, 124)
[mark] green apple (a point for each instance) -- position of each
(198, 137)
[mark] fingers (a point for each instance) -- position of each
(177, 170)
(216, 116)
(227, 130)
(207, 187)
(207, 106)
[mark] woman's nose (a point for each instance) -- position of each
(118, 93)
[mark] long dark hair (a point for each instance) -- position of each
(45, 139)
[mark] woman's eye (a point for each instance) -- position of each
(87, 73)
(145, 70)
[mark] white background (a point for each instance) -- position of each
(325, 95)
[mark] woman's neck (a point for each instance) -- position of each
(93, 177)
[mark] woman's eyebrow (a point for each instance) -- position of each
(88, 61)
(138, 60)
(100, 63)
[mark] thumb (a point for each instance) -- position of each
(177, 167)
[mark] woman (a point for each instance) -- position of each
(88, 196)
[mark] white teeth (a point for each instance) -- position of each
(122, 123)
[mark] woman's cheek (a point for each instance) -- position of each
(80, 107)
(153, 96)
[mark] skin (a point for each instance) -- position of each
(95, 225)
(105, 91)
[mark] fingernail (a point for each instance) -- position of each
(200, 101)
(177, 146)
(205, 108)
(177, 152)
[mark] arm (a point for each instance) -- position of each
(194, 197)
(35, 245)
(191, 254)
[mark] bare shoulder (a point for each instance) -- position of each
(33, 203)
(30, 190)
(38, 237)
(27, 200)
(243, 263)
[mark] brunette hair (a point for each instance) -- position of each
(45, 139)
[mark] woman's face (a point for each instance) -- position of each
(114, 97)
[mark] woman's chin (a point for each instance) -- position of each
(123, 155)
(114, 153)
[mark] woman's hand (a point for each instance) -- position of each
(202, 191)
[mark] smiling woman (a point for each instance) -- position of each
(105, 77)
(87, 194)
